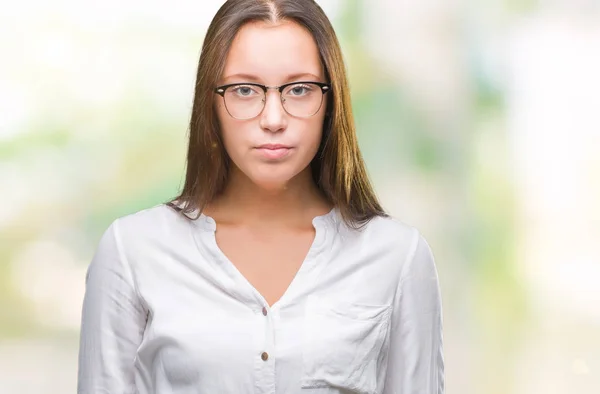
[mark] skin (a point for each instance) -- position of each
(264, 217)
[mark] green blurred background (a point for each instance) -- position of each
(479, 122)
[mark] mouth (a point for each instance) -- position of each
(274, 151)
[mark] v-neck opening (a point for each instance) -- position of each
(323, 224)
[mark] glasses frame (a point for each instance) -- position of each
(220, 90)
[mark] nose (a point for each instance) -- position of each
(273, 118)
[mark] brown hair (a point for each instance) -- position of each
(337, 169)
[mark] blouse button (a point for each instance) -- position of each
(264, 356)
(264, 311)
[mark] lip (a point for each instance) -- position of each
(274, 146)
(274, 151)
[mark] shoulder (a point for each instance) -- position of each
(402, 243)
(389, 226)
(418, 257)
(389, 233)
(160, 213)
(151, 224)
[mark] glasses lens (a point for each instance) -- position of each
(302, 99)
(247, 101)
(244, 101)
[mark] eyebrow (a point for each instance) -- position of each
(254, 78)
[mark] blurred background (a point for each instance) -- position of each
(479, 122)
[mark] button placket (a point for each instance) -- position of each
(264, 362)
(268, 335)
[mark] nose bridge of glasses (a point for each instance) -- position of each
(277, 91)
(273, 113)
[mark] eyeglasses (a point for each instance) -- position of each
(247, 100)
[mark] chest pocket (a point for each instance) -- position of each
(342, 345)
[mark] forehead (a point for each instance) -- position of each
(273, 52)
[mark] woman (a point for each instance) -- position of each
(276, 269)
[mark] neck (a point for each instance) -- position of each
(245, 203)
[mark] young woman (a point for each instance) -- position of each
(276, 270)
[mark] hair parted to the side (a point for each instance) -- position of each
(338, 168)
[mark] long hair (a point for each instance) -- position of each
(337, 169)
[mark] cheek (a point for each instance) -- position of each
(316, 135)
(222, 115)
(315, 131)
(227, 126)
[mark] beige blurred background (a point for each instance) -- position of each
(479, 122)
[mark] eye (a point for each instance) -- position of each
(244, 90)
(299, 90)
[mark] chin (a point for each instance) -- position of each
(272, 179)
(271, 184)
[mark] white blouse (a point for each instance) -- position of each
(165, 312)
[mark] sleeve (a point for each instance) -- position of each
(112, 324)
(415, 358)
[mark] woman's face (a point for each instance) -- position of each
(272, 148)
